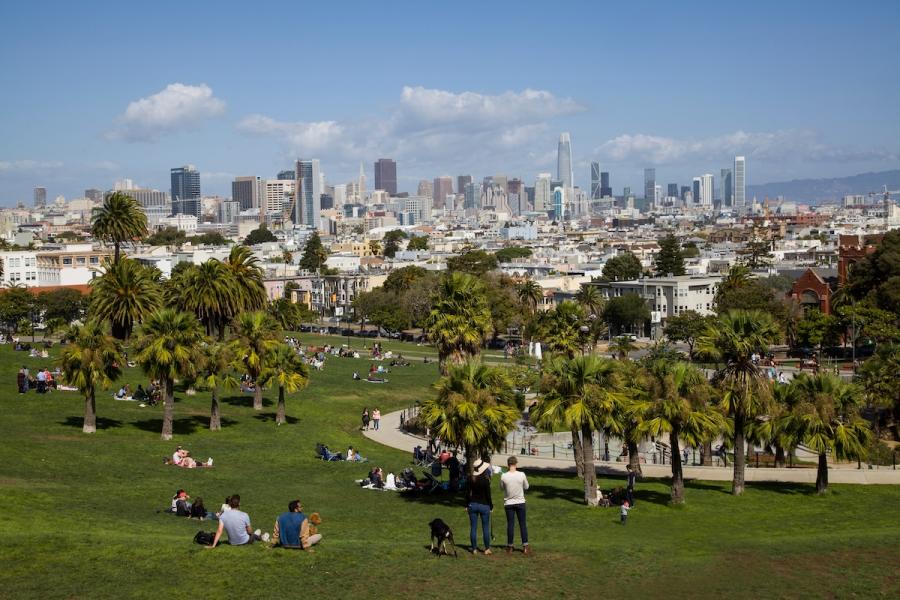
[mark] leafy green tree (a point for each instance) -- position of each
(677, 404)
(374, 247)
(118, 220)
(416, 301)
(124, 295)
(286, 369)
(878, 379)
(16, 304)
(460, 319)
(418, 242)
(260, 235)
(756, 251)
(690, 250)
(399, 280)
(686, 327)
(506, 309)
(168, 350)
(877, 277)
(739, 291)
(475, 408)
(392, 242)
(622, 346)
(381, 308)
(473, 262)
(211, 238)
(505, 255)
(581, 394)
(255, 339)
(732, 340)
(622, 267)
(827, 421)
(817, 329)
(93, 360)
(62, 303)
(669, 259)
(626, 312)
(314, 254)
(168, 236)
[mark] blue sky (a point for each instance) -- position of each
(92, 92)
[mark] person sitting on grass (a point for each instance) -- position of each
(292, 529)
(181, 507)
(236, 523)
(198, 510)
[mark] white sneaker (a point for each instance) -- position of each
(209, 462)
(265, 537)
(258, 533)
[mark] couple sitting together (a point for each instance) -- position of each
(292, 529)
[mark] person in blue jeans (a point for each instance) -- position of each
(479, 505)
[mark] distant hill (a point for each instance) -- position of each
(816, 191)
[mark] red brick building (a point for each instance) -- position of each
(812, 292)
(852, 249)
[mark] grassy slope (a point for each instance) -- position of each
(80, 521)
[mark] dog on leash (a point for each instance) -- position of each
(441, 535)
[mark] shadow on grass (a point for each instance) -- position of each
(269, 416)
(181, 426)
(245, 400)
(102, 422)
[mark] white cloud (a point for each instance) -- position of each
(16, 166)
(798, 145)
(176, 106)
(302, 136)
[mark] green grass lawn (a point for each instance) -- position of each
(80, 520)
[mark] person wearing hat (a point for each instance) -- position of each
(514, 483)
(479, 505)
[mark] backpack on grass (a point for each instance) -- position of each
(204, 538)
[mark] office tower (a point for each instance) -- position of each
(685, 189)
(123, 185)
(286, 175)
(472, 195)
(340, 196)
(386, 175)
(94, 195)
(564, 160)
(740, 183)
(443, 186)
(727, 186)
(673, 190)
(40, 197)
(186, 191)
(501, 180)
(542, 194)
(515, 196)
(559, 203)
(245, 191)
(425, 189)
(695, 189)
(361, 183)
(529, 197)
(275, 197)
(148, 198)
(707, 190)
(605, 188)
(461, 181)
(626, 191)
(229, 211)
(649, 185)
(307, 194)
(595, 181)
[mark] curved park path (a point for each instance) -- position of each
(389, 434)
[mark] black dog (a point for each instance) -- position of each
(440, 537)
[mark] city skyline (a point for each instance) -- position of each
(82, 115)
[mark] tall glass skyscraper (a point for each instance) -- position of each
(308, 194)
(740, 183)
(559, 204)
(605, 188)
(564, 160)
(727, 185)
(649, 186)
(186, 190)
(595, 181)
(386, 175)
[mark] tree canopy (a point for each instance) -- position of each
(622, 267)
(505, 255)
(260, 235)
(669, 260)
(314, 254)
(473, 262)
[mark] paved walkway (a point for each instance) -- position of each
(389, 434)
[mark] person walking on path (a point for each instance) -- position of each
(376, 418)
(630, 487)
(365, 419)
(514, 483)
(479, 505)
(624, 512)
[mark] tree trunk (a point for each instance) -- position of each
(737, 484)
(470, 462)
(822, 474)
(168, 408)
(279, 414)
(577, 451)
(677, 472)
(779, 457)
(634, 458)
(215, 420)
(90, 413)
(590, 471)
(116, 253)
(706, 460)
(257, 394)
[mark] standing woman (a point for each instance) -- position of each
(365, 419)
(479, 504)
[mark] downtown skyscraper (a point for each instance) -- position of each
(386, 175)
(308, 194)
(443, 187)
(186, 190)
(564, 172)
(740, 183)
(726, 184)
(596, 192)
(40, 197)
(649, 186)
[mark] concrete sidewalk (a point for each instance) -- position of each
(389, 434)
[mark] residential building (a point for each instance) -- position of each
(186, 190)
(668, 296)
(386, 175)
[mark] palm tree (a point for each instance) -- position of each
(255, 340)
(530, 294)
(247, 277)
(622, 346)
(169, 349)
(460, 319)
(288, 370)
(827, 420)
(120, 219)
(123, 295)
(208, 290)
(590, 298)
(775, 429)
(566, 329)
(732, 339)
(214, 372)
(582, 394)
(92, 360)
(475, 408)
(676, 404)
